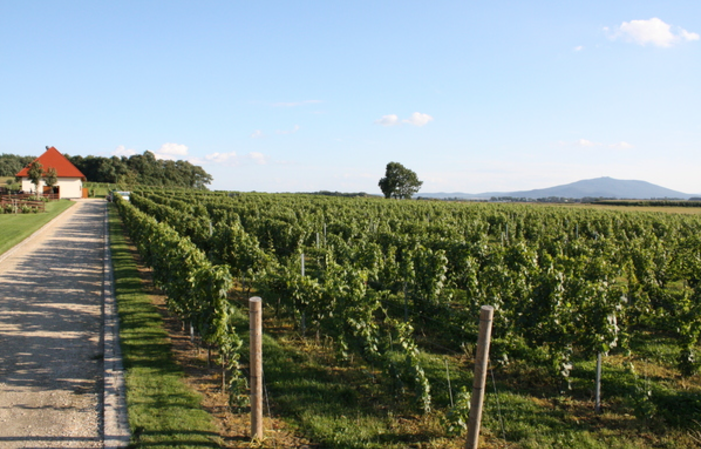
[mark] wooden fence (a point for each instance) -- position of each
(29, 196)
(18, 204)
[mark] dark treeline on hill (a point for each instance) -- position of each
(138, 169)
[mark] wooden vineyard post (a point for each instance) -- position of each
(256, 325)
(481, 365)
(597, 403)
(303, 322)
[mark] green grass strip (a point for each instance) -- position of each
(163, 411)
(16, 227)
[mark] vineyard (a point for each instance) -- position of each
(389, 293)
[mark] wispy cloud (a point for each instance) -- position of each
(388, 120)
(416, 119)
(579, 48)
(258, 158)
(293, 104)
(231, 159)
(221, 158)
(121, 150)
(653, 31)
(621, 146)
(292, 131)
(585, 143)
(257, 134)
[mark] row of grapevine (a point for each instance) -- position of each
(196, 290)
(378, 274)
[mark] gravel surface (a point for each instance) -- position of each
(51, 370)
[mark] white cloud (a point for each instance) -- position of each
(579, 48)
(653, 31)
(257, 134)
(175, 149)
(294, 130)
(121, 150)
(388, 120)
(416, 119)
(171, 151)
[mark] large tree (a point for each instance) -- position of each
(399, 182)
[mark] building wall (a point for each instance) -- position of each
(71, 188)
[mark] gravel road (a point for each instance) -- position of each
(51, 349)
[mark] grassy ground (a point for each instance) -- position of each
(163, 412)
(646, 404)
(16, 227)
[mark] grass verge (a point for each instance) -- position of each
(163, 412)
(16, 227)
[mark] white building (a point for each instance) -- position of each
(70, 179)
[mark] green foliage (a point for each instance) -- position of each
(11, 164)
(163, 412)
(196, 290)
(35, 173)
(50, 177)
(141, 169)
(457, 417)
(399, 182)
(383, 282)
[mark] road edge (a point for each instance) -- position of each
(116, 433)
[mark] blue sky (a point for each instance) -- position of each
(320, 95)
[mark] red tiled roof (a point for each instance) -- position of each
(52, 158)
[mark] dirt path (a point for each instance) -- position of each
(51, 351)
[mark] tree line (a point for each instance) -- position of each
(138, 169)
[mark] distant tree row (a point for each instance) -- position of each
(139, 169)
(10, 164)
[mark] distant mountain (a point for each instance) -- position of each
(593, 188)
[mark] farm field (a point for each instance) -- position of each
(372, 305)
